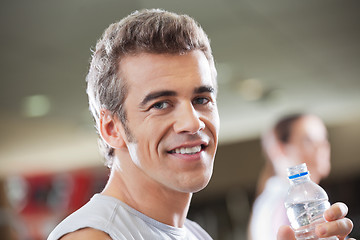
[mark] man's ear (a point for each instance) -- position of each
(111, 129)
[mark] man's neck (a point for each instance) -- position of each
(152, 199)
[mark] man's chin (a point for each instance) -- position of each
(197, 186)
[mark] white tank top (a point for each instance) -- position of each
(120, 221)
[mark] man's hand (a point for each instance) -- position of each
(336, 225)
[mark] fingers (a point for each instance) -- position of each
(285, 233)
(341, 227)
(337, 224)
(336, 211)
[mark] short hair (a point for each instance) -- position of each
(283, 126)
(147, 31)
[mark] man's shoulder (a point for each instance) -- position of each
(87, 233)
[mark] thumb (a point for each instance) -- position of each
(285, 233)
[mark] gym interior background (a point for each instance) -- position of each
(273, 57)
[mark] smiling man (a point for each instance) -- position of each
(152, 91)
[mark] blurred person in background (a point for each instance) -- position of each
(152, 91)
(294, 139)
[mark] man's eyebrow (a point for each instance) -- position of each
(204, 89)
(154, 95)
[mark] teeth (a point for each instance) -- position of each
(191, 150)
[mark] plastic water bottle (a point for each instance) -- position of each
(305, 203)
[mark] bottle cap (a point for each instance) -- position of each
(297, 171)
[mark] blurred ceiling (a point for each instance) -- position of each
(272, 57)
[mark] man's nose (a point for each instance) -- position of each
(188, 120)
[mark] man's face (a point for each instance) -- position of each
(173, 119)
(310, 145)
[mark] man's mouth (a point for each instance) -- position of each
(188, 150)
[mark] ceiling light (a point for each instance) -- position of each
(250, 89)
(36, 106)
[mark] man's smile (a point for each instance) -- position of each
(187, 150)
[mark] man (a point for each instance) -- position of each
(152, 91)
(294, 139)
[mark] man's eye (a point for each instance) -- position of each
(160, 105)
(201, 100)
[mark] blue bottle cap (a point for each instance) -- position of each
(297, 171)
(298, 175)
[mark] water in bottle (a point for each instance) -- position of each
(305, 203)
